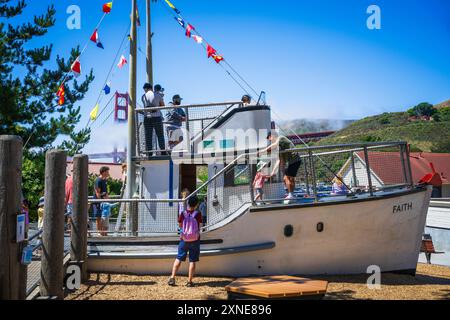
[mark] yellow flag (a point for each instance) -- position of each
(94, 113)
(170, 4)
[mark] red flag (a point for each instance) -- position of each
(76, 68)
(122, 62)
(189, 28)
(211, 51)
(217, 58)
(107, 7)
(61, 93)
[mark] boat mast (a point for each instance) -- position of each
(131, 151)
(149, 46)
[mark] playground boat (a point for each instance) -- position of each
(378, 221)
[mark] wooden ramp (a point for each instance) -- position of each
(277, 287)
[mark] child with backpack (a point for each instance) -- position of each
(190, 222)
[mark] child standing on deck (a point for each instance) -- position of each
(190, 222)
(258, 183)
(106, 213)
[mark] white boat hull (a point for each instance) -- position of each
(384, 231)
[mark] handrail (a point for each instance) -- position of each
(138, 200)
(188, 106)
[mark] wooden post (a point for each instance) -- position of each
(53, 236)
(78, 247)
(131, 151)
(10, 193)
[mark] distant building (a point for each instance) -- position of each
(115, 170)
(386, 170)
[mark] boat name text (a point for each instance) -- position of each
(402, 207)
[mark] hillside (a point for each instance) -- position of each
(429, 136)
(300, 126)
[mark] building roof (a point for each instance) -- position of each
(388, 167)
(115, 170)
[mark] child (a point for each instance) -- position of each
(190, 223)
(106, 213)
(258, 183)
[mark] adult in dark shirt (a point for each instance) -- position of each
(100, 192)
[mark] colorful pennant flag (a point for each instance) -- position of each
(122, 62)
(198, 39)
(107, 88)
(211, 51)
(189, 29)
(180, 21)
(76, 68)
(217, 58)
(95, 39)
(61, 94)
(172, 6)
(107, 7)
(94, 112)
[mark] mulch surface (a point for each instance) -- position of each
(431, 282)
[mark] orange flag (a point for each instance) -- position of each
(61, 93)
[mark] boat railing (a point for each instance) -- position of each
(326, 173)
(199, 118)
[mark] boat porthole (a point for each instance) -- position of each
(319, 227)
(288, 230)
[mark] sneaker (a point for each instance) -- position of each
(171, 282)
(190, 284)
(288, 199)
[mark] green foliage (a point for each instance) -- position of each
(422, 109)
(444, 114)
(28, 103)
(428, 136)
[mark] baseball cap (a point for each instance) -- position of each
(177, 97)
(41, 202)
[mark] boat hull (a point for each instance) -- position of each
(345, 237)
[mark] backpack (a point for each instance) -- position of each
(190, 231)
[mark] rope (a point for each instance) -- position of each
(175, 15)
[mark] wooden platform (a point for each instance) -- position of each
(277, 287)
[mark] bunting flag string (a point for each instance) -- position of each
(75, 68)
(211, 52)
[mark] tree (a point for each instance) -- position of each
(422, 109)
(29, 106)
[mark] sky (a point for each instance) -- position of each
(314, 59)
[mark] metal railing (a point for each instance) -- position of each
(199, 118)
(366, 169)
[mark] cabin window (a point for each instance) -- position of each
(238, 175)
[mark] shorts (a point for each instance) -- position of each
(69, 209)
(292, 169)
(259, 191)
(192, 247)
(105, 222)
(97, 210)
(175, 134)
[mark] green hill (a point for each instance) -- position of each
(429, 136)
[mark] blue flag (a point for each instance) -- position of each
(100, 45)
(180, 21)
(107, 88)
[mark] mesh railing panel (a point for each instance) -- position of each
(198, 120)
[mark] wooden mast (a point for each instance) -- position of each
(131, 151)
(149, 45)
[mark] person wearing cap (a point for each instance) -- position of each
(153, 119)
(246, 100)
(260, 179)
(175, 118)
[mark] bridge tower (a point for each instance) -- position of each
(121, 107)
